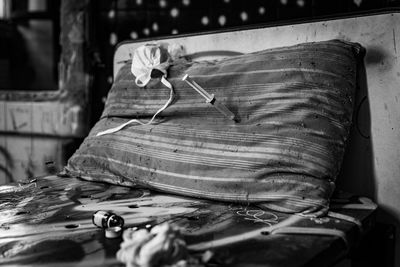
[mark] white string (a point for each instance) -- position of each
(169, 101)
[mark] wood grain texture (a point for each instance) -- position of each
(35, 125)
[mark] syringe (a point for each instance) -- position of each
(210, 98)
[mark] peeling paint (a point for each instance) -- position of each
(73, 114)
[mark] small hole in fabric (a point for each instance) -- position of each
(72, 226)
(155, 73)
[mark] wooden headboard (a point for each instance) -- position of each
(372, 162)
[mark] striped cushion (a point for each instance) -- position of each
(295, 107)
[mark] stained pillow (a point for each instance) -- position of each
(295, 109)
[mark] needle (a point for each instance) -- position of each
(210, 98)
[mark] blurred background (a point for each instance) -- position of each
(30, 31)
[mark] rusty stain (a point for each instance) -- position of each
(21, 125)
(13, 121)
(8, 164)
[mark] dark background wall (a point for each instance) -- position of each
(113, 21)
(29, 44)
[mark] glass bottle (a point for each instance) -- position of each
(106, 219)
